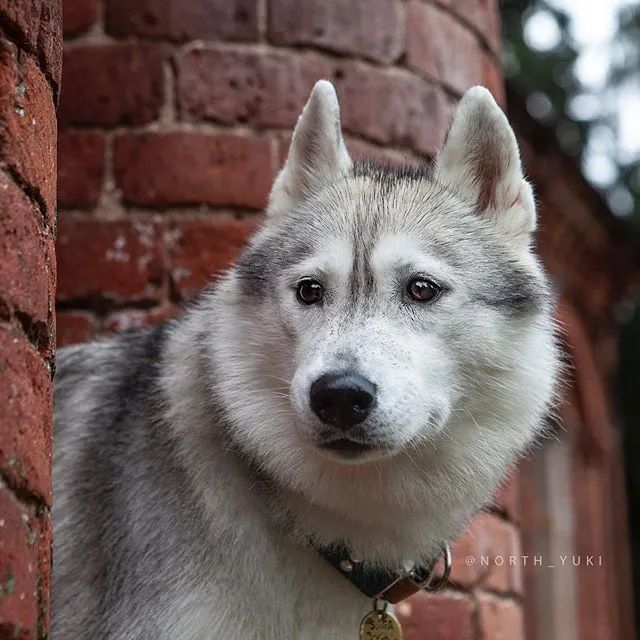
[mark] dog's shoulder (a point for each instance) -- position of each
(109, 359)
(96, 383)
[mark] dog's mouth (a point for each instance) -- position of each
(347, 448)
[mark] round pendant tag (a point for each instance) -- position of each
(378, 625)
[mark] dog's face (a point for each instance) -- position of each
(391, 319)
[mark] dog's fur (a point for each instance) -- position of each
(190, 489)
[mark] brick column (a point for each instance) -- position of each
(175, 116)
(30, 60)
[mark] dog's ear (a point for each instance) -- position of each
(480, 160)
(317, 153)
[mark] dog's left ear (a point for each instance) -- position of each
(317, 154)
(481, 161)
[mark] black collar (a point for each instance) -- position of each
(392, 586)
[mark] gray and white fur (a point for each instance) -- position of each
(193, 479)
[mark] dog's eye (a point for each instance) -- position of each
(309, 291)
(423, 290)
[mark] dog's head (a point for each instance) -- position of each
(390, 320)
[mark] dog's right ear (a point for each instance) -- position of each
(317, 154)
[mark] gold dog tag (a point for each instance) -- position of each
(380, 625)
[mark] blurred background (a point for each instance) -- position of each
(575, 67)
(173, 116)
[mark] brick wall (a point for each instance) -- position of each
(30, 59)
(175, 116)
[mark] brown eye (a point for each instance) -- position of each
(309, 291)
(423, 290)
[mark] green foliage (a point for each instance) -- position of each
(546, 79)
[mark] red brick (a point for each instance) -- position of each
(507, 498)
(439, 46)
(112, 260)
(28, 124)
(80, 168)
(112, 84)
(183, 19)
(130, 319)
(232, 85)
(73, 327)
(25, 429)
(24, 286)
(481, 15)
(193, 168)
(44, 531)
(198, 249)
(79, 16)
(24, 16)
(443, 616)
(500, 619)
(50, 42)
(493, 80)
(391, 107)
(18, 569)
(489, 554)
(373, 29)
(39, 29)
(466, 551)
(361, 151)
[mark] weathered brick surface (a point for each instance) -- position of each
(119, 261)
(28, 125)
(488, 554)
(500, 619)
(35, 27)
(439, 46)
(137, 318)
(44, 537)
(444, 616)
(246, 86)
(361, 151)
(24, 256)
(409, 111)
(50, 43)
(30, 56)
(94, 78)
(78, 16)
(24, 17)
(183, 19)
(80, 168)
(194, 168)
(74, 326)
(25, 429)
(18, 569)
(507, 498)
(483, 16)
(215, 243)
(369, 28)
(492, 79)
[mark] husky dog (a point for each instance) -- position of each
(362, 376)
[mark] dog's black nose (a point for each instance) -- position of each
(342, 399)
